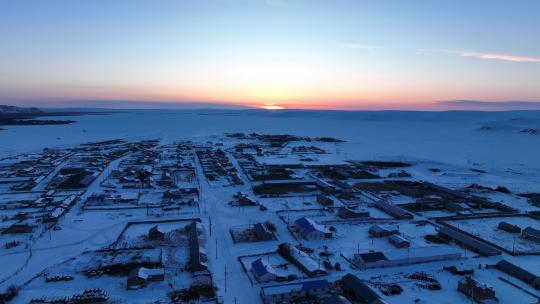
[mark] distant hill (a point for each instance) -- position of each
(4, 109)
(13, 115)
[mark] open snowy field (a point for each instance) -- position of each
(483, 139)
(486, 228)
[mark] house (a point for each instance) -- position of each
(478, 292)
(516, 271)
(324, 200)
(301, 259)
(410, 256)
(311, 230)
(263, 271)
(379, 231)
(531, 234)
(393, 210)
(346, 213)
(284, 293)
(139, 277)
(468, 242)
(155, 235)
(505, 226)
(398, 241)
(262, 233)
(356, 290)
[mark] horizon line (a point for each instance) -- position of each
(434, 106)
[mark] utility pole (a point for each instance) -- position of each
(216, 249)
(225, 278)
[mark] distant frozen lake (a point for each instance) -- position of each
(450, 137)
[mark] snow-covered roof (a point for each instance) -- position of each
(469, 241)
(261, 267)
(307, 225)
(397, 238)
(419, 252)
(411, 253)
(506, 266)
(294, 287)
(360, 289)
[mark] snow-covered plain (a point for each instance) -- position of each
(449, 137)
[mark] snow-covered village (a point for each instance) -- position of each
(259, 218)
(269, 152)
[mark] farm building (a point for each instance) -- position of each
(358, 291)
(311, 230)
(283, 293)
(393, 210)
(345, 213)
(468, 242)
(404, 257)
(381, 231)
(518, 272)
(262, 271)
(478, 292)
(398, 241)
(139, 277)
(531, 234)
(505, 226)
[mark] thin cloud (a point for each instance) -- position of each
(491, 56)
(356, 46)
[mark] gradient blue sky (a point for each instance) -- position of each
(340, 54)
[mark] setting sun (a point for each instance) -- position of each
(272, 106)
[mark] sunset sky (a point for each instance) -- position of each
(335, 54)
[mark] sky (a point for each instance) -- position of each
(335, 54)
